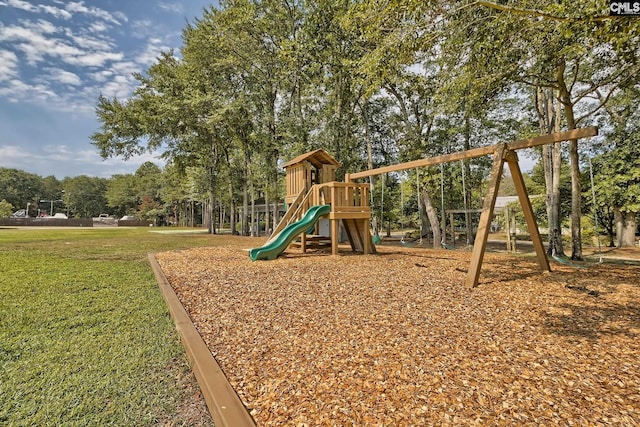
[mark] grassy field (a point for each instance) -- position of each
(85, 337)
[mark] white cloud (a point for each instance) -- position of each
(98, 27)
(151, 52)
(88, 41)
(9, 153)
(172, 7)
(142, 28)
(56, 57)
(64, 77)
(18, 4)
(26, 30)
(65, 64)
(101, 76)
(16, 89)
(97, 59)
(41, 26)
(36, 42)
(56, 12)
(28, 7)
(8, 65)
(124, 68)
(63, 160)
(119, 87)
(79, 7)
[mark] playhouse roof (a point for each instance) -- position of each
(317, 158)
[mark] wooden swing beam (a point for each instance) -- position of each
(504, 152)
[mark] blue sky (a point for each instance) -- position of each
(57, 57)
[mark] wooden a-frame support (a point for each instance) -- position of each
(501, 153)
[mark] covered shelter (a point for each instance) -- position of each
(305, 170)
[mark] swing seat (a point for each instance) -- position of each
(407, 243)
(446, 246)
(573, 264)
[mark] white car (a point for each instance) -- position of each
(22, 213)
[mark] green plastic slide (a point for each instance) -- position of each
(274, 248)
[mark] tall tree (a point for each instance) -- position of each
(121, 194)
(578, 56)
(617, 171)
(20, 188)
(549, 120)
(86, 195)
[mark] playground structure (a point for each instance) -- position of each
(310, 182)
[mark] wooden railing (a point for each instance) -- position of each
(342, 196)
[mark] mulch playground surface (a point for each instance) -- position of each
(397, 339)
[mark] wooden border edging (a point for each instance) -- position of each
(225, 406)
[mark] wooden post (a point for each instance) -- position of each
(513, 228)
(334, 236)
(303, 242)
(366, 238)
(521, 189)
(507, 227)
(489, 204)
(453, 229)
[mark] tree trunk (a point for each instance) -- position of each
(211, 210)
(576, 202)
(626, 226)
(276, 212)
(574, 160)
(556, 223)
(548, 120)
(609, 223)
(245, 197)
(221, 215)
(255, 223)
(212, 178)
(466, 171)
(245, 210)
(367, 136)
(267, 226)
(208, 213)
(433, 219)
(232, 211)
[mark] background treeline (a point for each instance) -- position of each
(379, 82)
(151, 193)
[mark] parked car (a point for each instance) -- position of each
(22, 213)
(104, 219)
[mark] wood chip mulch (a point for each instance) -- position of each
(396, 339)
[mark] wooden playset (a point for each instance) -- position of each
(310, 180)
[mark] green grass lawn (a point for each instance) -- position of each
(85, 336)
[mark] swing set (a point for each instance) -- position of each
(313, 196)
(408, 239)
(502, 153)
